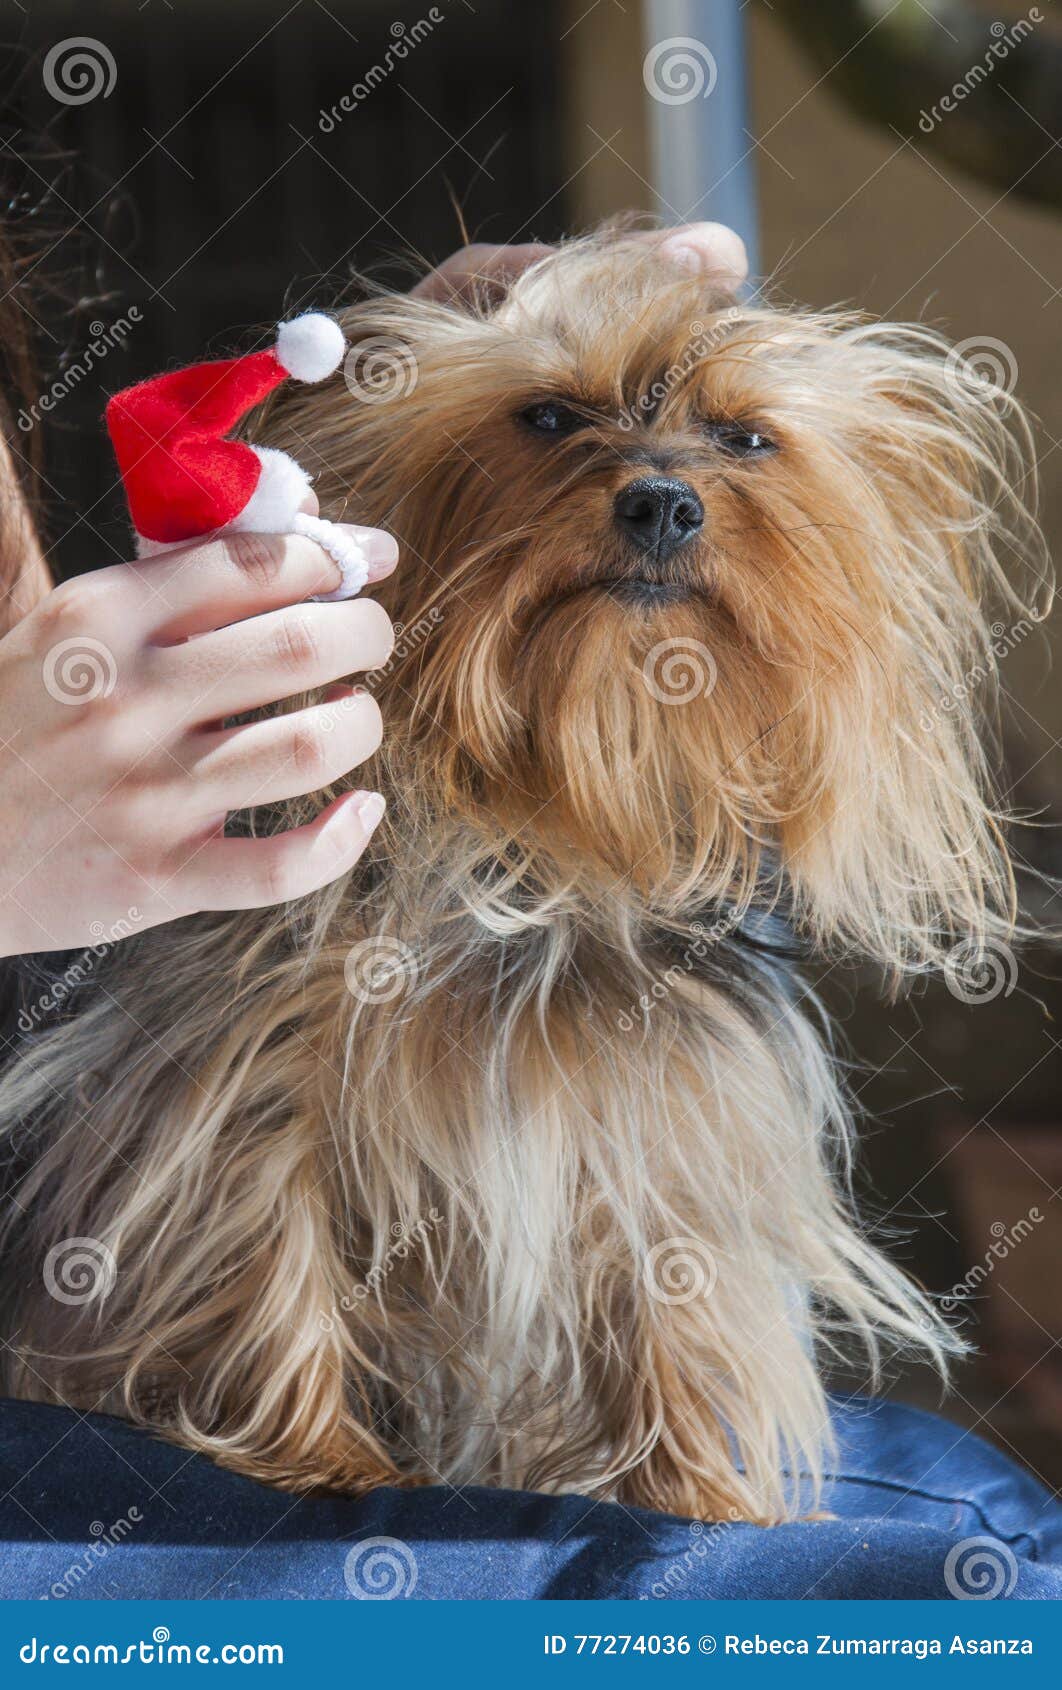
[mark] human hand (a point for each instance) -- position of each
(709, 247)
(116, 773)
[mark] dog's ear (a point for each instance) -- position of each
(949, 571)
(417, 375)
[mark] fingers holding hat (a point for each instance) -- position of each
(235, 576)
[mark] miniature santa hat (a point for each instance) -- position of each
(183, 477)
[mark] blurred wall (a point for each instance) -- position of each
(964, 1135)
(216, 180)
(851, 213)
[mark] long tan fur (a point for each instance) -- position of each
(519, 1157)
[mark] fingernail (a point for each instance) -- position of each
(379, 549)
(369, 810)
(687, 256)
(712, 248)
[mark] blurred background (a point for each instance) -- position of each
(178, 173)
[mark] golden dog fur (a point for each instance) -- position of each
(519, 1156)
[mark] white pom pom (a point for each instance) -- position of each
(310, 347)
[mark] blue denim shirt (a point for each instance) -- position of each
(92, 1509)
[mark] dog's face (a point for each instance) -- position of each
(694, 573)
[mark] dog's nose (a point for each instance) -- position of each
(659, 513)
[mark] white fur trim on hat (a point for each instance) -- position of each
(310, 347)
(282, 487)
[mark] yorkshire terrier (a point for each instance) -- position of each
(520, 1156)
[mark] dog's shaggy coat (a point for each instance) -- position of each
(518, 1157)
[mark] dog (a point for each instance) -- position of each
(521, 1155)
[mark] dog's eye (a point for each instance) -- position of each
(551, 418)
(740, 442)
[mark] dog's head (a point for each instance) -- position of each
(691, 587)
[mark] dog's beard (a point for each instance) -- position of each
(624, 713)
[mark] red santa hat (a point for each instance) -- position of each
(184, 479)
